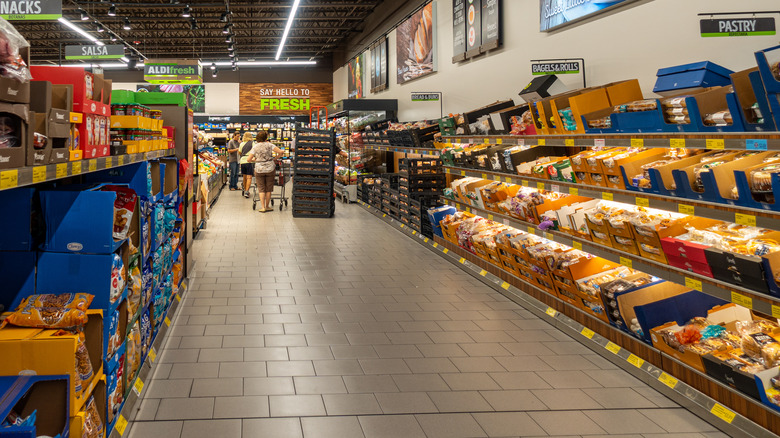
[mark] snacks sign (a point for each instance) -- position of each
(737, 27)
(113, 51)
(30, 10)
(173, 71)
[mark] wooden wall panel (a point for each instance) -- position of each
(249, 95)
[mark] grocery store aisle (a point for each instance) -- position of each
(345, 328)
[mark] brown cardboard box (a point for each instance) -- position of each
(12, 90)
(40, 124)
(17, 156)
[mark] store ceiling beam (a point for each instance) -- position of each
(233, 5)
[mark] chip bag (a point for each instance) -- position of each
(51, 311)
(93, 425)
(118, 278)
(124, 207)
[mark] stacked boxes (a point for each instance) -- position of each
(390, 198)
(50, 107)
(313, 183)
(421, 182)
(136, 128)
(17, 123)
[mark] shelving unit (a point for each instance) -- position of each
(418, 151)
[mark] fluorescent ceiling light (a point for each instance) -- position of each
(80, 31)
(124, 59)
(287, 28)
(218, 64)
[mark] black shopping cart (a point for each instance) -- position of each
(283, 172)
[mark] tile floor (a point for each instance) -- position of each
(345, 328)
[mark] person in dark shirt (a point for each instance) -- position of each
(232, 150)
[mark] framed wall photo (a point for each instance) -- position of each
(415, 45)
(356, 68)
(378, 60)
(557, 13)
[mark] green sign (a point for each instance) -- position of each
(555, 68)
(736, 27)
(286, 104)
(167, 71)
(425, 97)
(30, 9)
(113, 51)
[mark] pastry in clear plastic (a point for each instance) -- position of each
(720, 118)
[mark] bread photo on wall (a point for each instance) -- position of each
(423, 37)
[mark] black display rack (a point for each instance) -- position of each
(315, 152)
(420, 184)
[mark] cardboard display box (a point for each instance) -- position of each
(19, 116)
(44, 353)
(39, 123)
(46, 395)
(682, 78)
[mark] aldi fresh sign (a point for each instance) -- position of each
(167, 71)
(735, 27)
(31, 9)
(113, 51)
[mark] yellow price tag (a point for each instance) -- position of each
(723, 413)
(505, 285)
(425, 240)
(62, 170)
(569, 142)
(462, 173)
(742, 300)
(685, 209)
(167, 321)
(121, 160)
(637, 142)
(549, 236)
(449, 140)
(642, 202)
(576, 245)
(612, 347)
(402, 225)
(468, 209)
(635, 361)
(607, 196)
(39, 174)
(414, 232)
(713, 143)
(446, 170)
(490, 217)
(499, 141)
(384, 215)
(775, 311)
(677, 142)
(668, 380)
(531, 229)
(745, 219)
(693, 283)
(627, 262)
(138, 386)
(540, 186)
(109, 162)
(92, 165)
(121, 425)
(588, 333)
(525, 183)
(497, 177)
(486, 141)
(483, 272)
(541, 142)
(435, 245)
(445, 251)
(574, 191)
(462, 260)
(152, 355)
(9, 179)
(550, 311)
(508, 180)
(75, 168)
(178, 298)
(484, 176)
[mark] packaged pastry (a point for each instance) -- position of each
(720, 118)
(118, 277)
(642, 105)
(84, 368)
(51, 311)
(761, 178)
(93, 425)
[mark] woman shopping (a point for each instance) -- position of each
(263, 157)
(247, 168)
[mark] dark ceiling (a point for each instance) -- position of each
(158, 29)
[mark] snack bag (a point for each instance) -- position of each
(115, 391)
(118, 277)
(51, 311)
(12, 64)
(124, 207)
(84, 367)
(114, 337)
(93, 425)
(134, 288)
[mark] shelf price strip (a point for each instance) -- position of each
(668, 380)
(588, 333)
(744, 301)
(38, 174)
(723, 413)
(612, 347)
(635, 360)
(138, 386)
(121, 425)
(551, 312)
(9, 179)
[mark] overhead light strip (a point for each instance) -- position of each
(80, 31)
(218, 64)
(287, 28)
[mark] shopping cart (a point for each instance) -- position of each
(283, 172)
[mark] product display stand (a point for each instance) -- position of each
(313, 180)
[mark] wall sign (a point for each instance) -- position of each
(735, 27)
(555, 68)
(491, 25)
(378, 61)
(173, 71)
(426, 97)
(356, 68)
(282, 99)
(113, 51)
(458, 30)
(473, 27)
(415, 45)
(557, 13)
(30, 9)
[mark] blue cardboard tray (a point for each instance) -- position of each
(46, 395)
(17, 229)
(680, 309)
(694, 75)
(17, 269)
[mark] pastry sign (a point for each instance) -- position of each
(735, 27)
(31, 9)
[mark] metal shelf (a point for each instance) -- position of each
(402, 149)
(678, 390)
(702, 140)
(724, 212)
(725, 291)
(25, 176)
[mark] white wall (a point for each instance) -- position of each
(221, 98)
(632, 43)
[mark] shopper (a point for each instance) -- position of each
(247, 168)
(233, 146)
(263, 157)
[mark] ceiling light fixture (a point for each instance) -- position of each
(226, 29)
(187, 12)
(213, 66)
(112, 10)
(84, 16)
(232, 54)
(214, 73)
(193, 24)
(100, 28)
(126, 24)
(80, 31)
(287, 28)
(229, 38)
(224, 17)
(231, 47)
(112, 36)
(138, 64)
